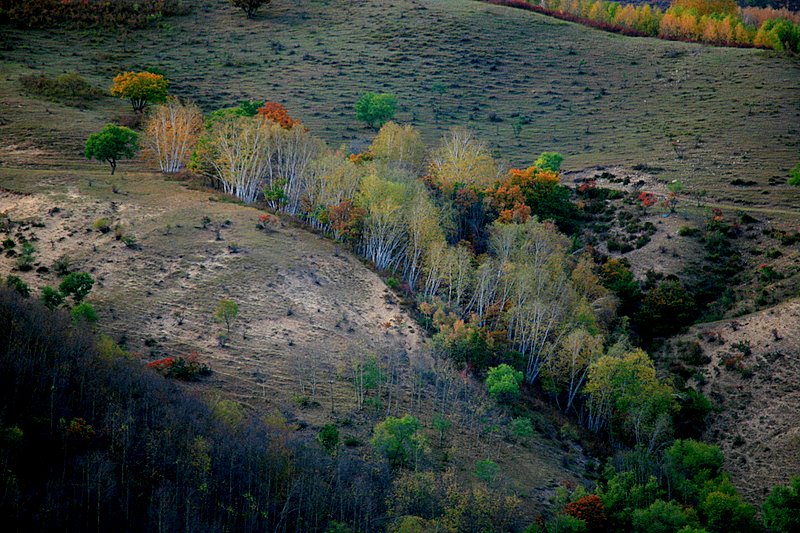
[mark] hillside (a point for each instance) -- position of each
(546, 346)
(702, 114)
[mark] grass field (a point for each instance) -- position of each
(701, 114)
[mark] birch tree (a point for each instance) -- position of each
(171, 133)
(384, 226)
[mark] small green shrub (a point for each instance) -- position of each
(393, 283)
(486, 470)
(688, 231)
(51, 298)
(522, 427)
(503, 383)
(328, 437)
(16, 283)
(103, 225)
(84, 311)
(77, 285)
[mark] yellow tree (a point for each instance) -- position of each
(570, 365)
(399, 145)
(462, 159)
(422, 220)
(384, 226)
(171, 133)
(140, 88)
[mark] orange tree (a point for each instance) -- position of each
(140, 88)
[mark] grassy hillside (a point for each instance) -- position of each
(702, 114)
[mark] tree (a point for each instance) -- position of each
(549, 161)
(503, 383)
(171, 133)
(661, 517)
(724, 511)
(226, 312)
(51, 298)
(249, 6)
(111, 144)
(77, 284)
(275, 112)
(384, 226)
(590, 509)
(781, 509)
(376, 109)
(399, 146)
(328, 437)
(688, 466)
(398, 439)
(140, 88)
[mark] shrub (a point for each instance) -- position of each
(328, 437)
(51, 298)
(781, 509)
(486, 470)
(186, 368)
(78, 285)
(16, 283)
(26, 258)
(69, 88)
(522, 427)
(503, 383)
(660, 517)
(8, 244)
(688, 231)
(376, 109)
(84, 311)
(249, 6)
(103, 225)
(62, 265)
(393, 283)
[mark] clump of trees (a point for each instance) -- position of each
(171, 134)
(718, 22)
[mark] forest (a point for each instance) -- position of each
(516, 276)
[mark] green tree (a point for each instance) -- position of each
(249, 6)
(549, 161)
(328, 437)
(688, 466)
(398, 439)
(724, 512)
(77, 284)
(661, 517)
(51, 297)
(376, 109)
(227, 311)
(781, 509)
(84, 311)
(503, 383)
(111, 144)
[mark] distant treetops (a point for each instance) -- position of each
(719, 22)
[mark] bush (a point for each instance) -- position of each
(376, 109)
(70, 88)
(188, 368)
(84, 311)
(51, 298)
(590, 509)
(781, 509)
(522, 428)
(398, 439)
(78, 285)
(503, 383)
(486, 470)
(62, 265)
(25, 260)
(103, 225)
(16, 283)
(328, 437)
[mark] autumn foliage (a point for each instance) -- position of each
(275, 112)
(590, 509)
(719, 22)
(171, 133)
(140, 88)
